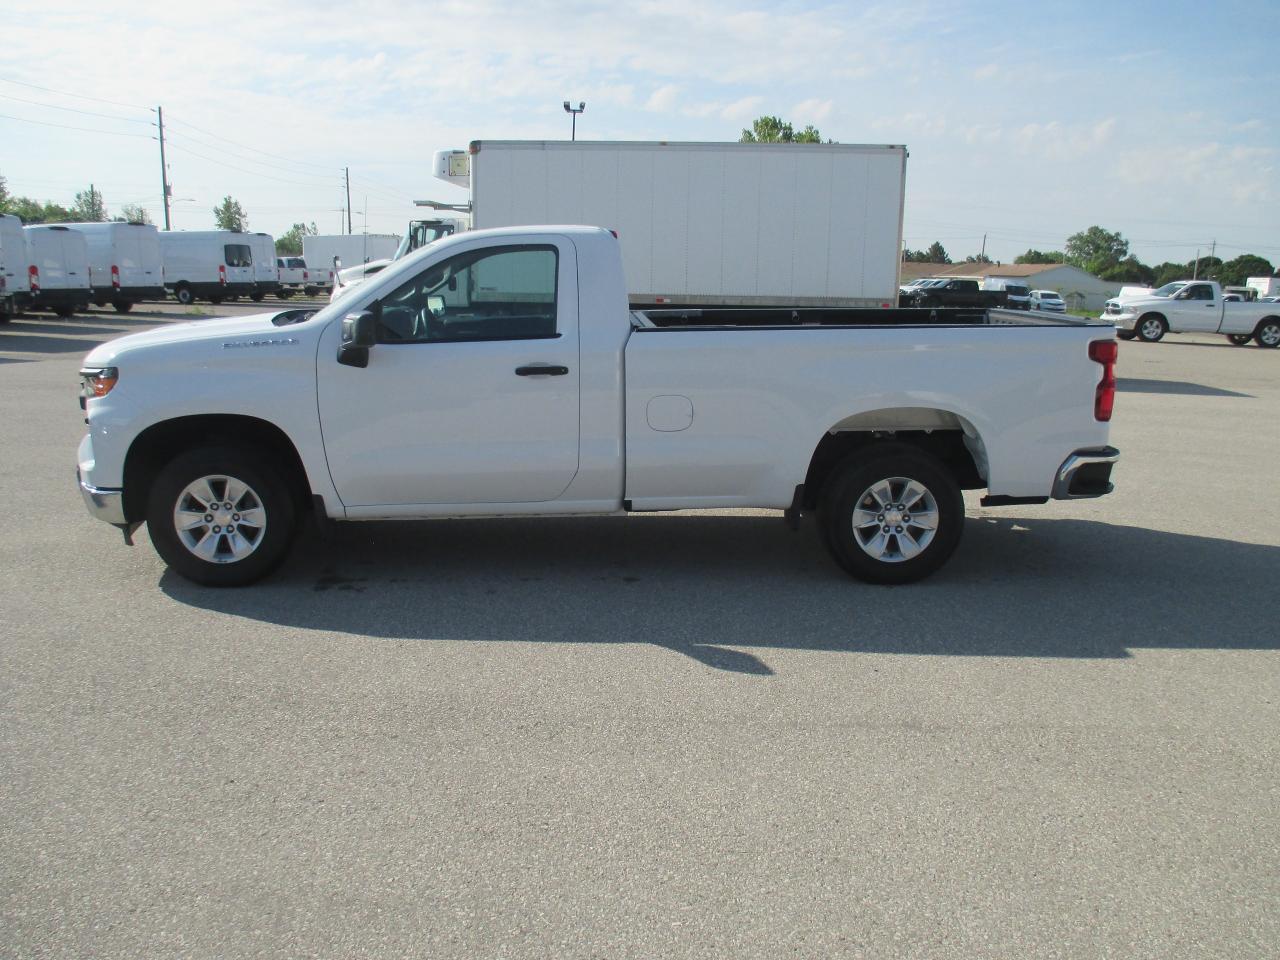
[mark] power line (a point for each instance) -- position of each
(87, 113)
(184, 136)
(244, 146)
(109, 133)
(253, 173)
(77, 96)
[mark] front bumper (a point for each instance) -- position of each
(1086, 473)
(104, 505)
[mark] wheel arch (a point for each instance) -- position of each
(949, 437)
(159, 443)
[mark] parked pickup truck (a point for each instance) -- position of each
(1194, 306)
(502, 372)
(953, 293)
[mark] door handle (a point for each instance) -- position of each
(541, 370)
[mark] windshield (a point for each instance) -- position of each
(1169, 289)
(1050, 295)
(421, 233)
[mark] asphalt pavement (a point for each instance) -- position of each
(654, 736)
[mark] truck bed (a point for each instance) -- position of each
(729, 318)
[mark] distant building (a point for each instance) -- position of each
(1081, 290)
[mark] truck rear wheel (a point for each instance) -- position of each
(123, 306)
(1268, 333)
(1151, 328)
(182, 293)
(221, 517)
(893, 516)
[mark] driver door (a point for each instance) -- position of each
(452, 408)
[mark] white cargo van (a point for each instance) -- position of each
(58, 268)
(213, 264)
(266, 275)
(14, 289)
(124, 263)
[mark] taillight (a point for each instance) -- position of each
(222, 273)
(115, 276)
(305, 275)
(1104, 399)
(33, 275)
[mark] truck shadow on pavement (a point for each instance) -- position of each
(709, 586)
(1179, 387)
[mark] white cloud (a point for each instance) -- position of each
(987, 71)
(742, 109)
(811, 111)
(663, 99)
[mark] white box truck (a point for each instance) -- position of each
(746, 224)
(351, 249)
(1265, 286)
(266, 274)
(124, 263)
(210, 264)
(14, 288)
(58, 268)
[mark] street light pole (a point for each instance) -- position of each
(570, 109)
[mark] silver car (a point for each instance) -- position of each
(1048, 300)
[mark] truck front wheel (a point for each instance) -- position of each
(1240, 339)
(1268, 333)
(221, 517)
(892, 516)
(1151, 328)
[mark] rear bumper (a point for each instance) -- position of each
(104, 505)
(1085, 474)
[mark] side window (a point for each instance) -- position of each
(498, 293)
(1201, 291)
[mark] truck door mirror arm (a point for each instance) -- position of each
(359, 333)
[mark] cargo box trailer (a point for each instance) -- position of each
(747, 224)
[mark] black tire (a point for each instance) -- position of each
(1151, 328)
(1125, 334)
(217, 300)
(64, 312)
(257, 296)
(310, 291)
(849, 492)
(182, 293)
(1268, 333)
(100, 304)
(284, 294)
(256, 471)
(122, 306)
(1240, 339)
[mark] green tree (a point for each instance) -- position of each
(5, 196)
(89, 206)
(290, 243)
(33, 211)
(1041, 256)
(1167, 272)
(1096, 250)
(1205, 268)
(978, 258)
(1236, 272)
(229, 215)
(777, 130)
(1129, 270)
(133, 213)
(937, 253)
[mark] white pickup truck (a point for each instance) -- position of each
(1193, 306)
(502, 372)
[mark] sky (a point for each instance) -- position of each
(1025, 122)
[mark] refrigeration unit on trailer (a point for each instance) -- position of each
(57, 268)
(266, 275)
(14, 288)
(125, 265)
(709, 223)
(209, 264)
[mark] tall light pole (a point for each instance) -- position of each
(569, 108)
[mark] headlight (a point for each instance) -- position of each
(97, 382)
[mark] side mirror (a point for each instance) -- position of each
(358, 335)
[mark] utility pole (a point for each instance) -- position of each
(983, 254)
(348, 172)
(165, 189)
(1195, 271)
